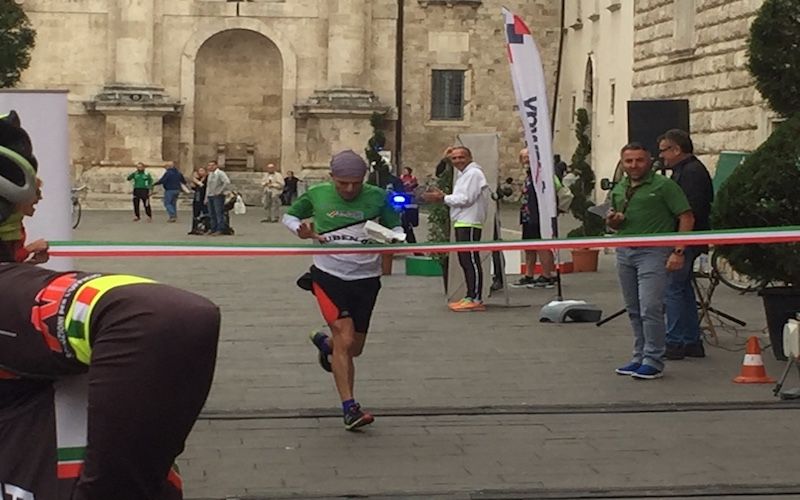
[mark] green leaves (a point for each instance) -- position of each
(17, 39)
(775, 54)
(439, 214)
(591, 225)
(763, 192)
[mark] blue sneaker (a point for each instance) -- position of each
(647, 372)
(628, 369)
(320, 341)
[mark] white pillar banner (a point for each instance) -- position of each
(527, 73)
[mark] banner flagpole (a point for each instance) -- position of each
(527, 75)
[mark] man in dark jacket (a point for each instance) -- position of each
(683, 327)
(172, 180)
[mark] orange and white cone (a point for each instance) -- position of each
(753, 371)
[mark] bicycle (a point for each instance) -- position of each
(724, 272)
(76, 209)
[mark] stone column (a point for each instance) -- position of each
(337, 117)
(133, 104)
(134, 51)
(347, 43)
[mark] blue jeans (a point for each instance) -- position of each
(216, 212)
(171, 202)
(683, 325)
(643, 277)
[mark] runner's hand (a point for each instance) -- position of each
(39, 252)
(306, 232)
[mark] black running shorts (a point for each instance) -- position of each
(340, 298)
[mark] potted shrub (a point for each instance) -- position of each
(584, 259)
(439, 217)
(762, 191)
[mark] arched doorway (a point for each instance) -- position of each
(238, 99)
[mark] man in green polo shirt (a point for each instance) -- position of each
(646, 203)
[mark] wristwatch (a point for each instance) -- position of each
(678, 251)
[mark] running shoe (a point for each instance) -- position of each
(356, 418)
(320, 339)
(523, 282)
(468, 305)
(543, 282)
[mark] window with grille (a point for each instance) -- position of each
(447, 95)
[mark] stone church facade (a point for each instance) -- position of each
(290, 82)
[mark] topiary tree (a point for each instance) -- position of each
(582, 189)
(439, 214)
(17, 39)
(774, 54)
(762, 192)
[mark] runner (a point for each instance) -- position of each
(346, 285)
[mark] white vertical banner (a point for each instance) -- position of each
(43, 115)
(527, 74)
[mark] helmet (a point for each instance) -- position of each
(17, 165)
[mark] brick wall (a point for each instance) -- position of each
(727, 113)
(468, 35)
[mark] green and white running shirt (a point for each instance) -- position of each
(342, 222)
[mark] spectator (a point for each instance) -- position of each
(559, 167)
(17, 249)
(646, 203)
(468, 206)
(142, 185)
(199, 207)
(217, 186)
(289, 188)
(409, 181)
(272, 184)
(683, 326)
(531, 230)
(172, 180)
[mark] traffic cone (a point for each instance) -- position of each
(753, 371)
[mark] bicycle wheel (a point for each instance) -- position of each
(76, 213)
(729, 277)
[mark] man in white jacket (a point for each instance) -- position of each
(468, 206)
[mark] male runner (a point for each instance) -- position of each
(345, 285)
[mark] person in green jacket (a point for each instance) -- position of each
(142, 185)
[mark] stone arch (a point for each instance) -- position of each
(238, 97)
(288, 84)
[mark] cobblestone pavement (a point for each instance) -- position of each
(481, 402)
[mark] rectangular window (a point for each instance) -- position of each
(613, 99)
(573, 109)
(685, 12)
(447, 95)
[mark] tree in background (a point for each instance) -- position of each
(17, 39)
(762, 191)
(583, 187)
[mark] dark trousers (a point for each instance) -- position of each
(471, 262)
(143, 195)
(198, 209)
(216, 209)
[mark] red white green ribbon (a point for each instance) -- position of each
(789, 234)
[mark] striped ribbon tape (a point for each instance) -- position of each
(790, 234)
